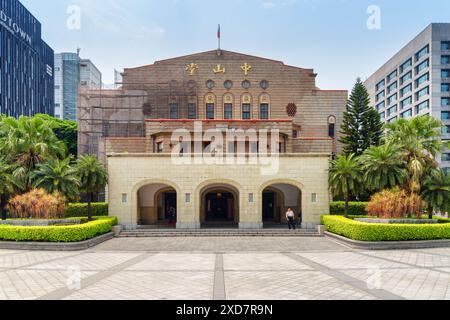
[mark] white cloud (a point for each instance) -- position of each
(268, 4)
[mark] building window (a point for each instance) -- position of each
(393, 119)
(294, 134)
(173, 111)
(246, 84)
(422, 52)
(445, 115)
(124, 198)
(188, 198)
(210, 84)
(380, 106)
(422, 93)
(331, 130)
(210, 112)
(424, 65)
(228, 84)
(445, 102)
(445, 60)
(380, 85)
(392, 87)
(446, 157)
(445, 87)
(406, 77)
(192, 111)
(406, 65)
(407, 114)
(160, 147)
(228, 111)
(264, 111)
(246, 111)
(383, 116)
(405, 103)
(264, 84)
(392, 76)
(314, 198)
(404, 91)
(380, 96)
(446, 171)
(445, 45)
(391, 111)
(446, 130)
(423, 79)
(445, 73)
(392, 99)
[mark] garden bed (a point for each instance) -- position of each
(58, 234)
(397, 221)
(377, 232)
(43, 223)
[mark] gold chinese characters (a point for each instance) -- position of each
(218, 69)
(246, 68)
(192, 68)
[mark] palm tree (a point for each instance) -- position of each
(8, 185)
(57, 177)
(436, 191)
(383, 167)
(419, 138)
(345, 178)
(93, 177)
(28, 142)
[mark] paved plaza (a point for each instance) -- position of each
(225, 268)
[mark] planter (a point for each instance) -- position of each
(117, 230)
(397, 221)
(41, 223)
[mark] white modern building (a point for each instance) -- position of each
(416, 82)
(70, 72)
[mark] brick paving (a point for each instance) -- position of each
(225, 268)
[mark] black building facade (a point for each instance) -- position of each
(26, 63)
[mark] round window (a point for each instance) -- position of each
(264, 84)
(228, 84)
(210, 84)
(246, 84)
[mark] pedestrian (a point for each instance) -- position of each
(290, 215)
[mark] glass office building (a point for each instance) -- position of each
(26, 63)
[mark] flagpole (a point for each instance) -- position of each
(219, 36)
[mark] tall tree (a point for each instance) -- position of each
(362, 126)
(8, 185)
(26, 142)
(65, 130)
(57, 177)
(436, 191)
(345, 178)
(383, 167)
(93, 177)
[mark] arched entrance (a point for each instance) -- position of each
(276, 199)
(157, 205)
(219, 206)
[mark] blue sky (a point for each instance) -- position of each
(330, 36)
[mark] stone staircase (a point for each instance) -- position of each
(157, 233)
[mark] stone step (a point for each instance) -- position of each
(219, 233)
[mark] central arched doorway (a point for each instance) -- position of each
(219, 206)
(157, 206)
(276, 199)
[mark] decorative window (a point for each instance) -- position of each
(228, 84)
(264, 84)
(210, 111)
(264, 111)
(246, 111)
(332, 127)
(246, 84)
(210, 84)
(291, 110)
(192, 111)
(173, 110)
(228, 111)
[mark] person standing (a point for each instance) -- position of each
(290, 215)
(300, 218)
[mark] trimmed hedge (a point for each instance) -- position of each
(355, 208)
(385, 232)
(73, 233)
(78, 210)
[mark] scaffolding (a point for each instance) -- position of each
(122, 112)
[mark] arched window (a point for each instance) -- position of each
(332, 127)
(228, 107)
(264, 107)
(210, 107)
(246, 107)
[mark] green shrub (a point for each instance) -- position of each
(385, 232)
(355, 208)
(73, 233)
(80, 210)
